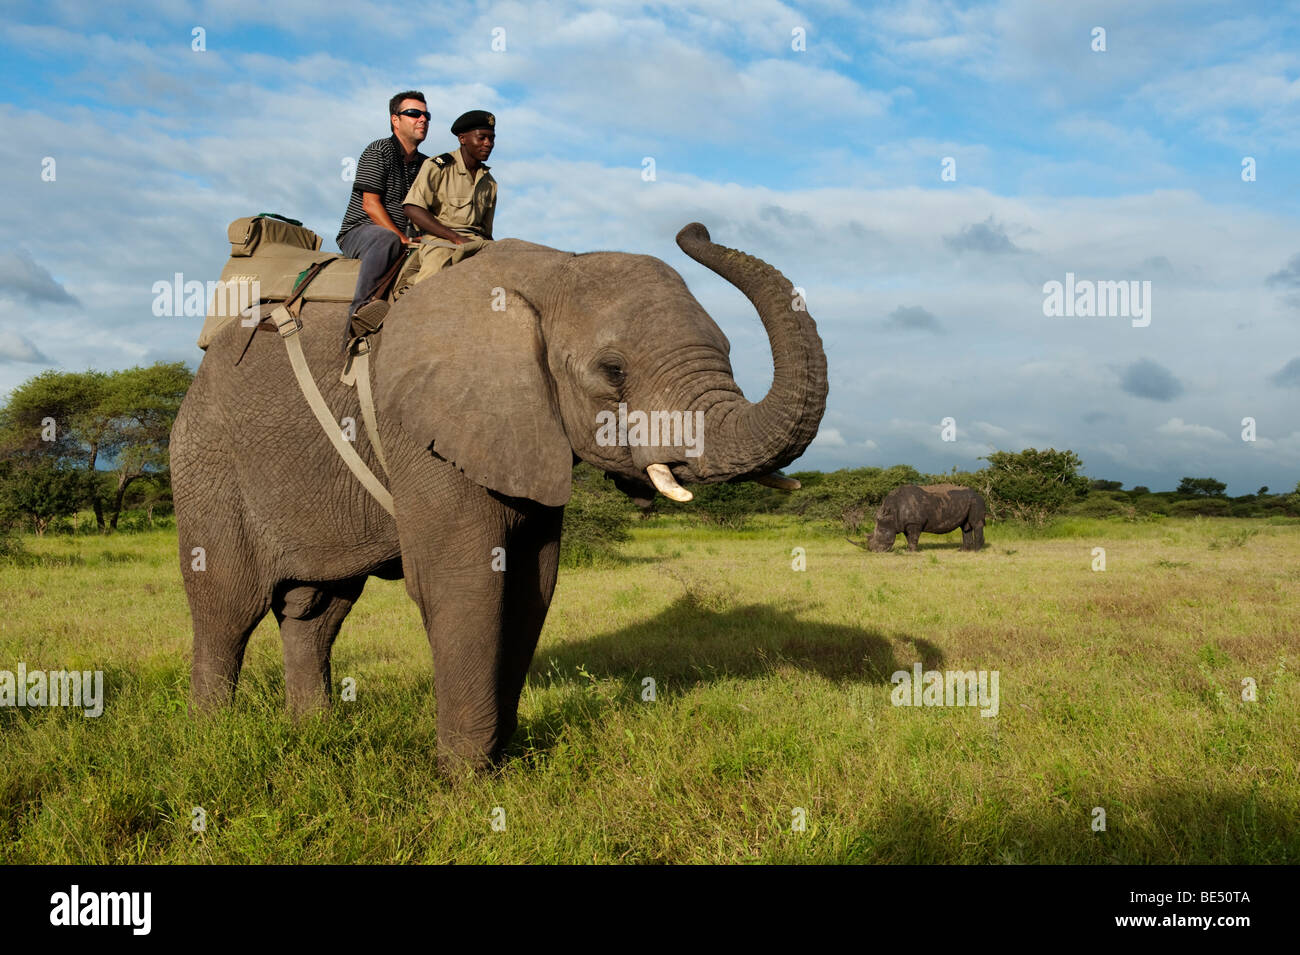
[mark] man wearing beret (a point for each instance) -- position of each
(454, 197)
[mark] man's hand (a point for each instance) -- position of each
(425, 220)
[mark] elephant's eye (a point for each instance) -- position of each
(614, 372)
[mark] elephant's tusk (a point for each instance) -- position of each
(666, 484)
(779, 481)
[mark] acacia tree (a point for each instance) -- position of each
(1202, 487)
(1103, 485)
(140, 408)
(115, 423)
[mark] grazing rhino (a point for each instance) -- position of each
(932, 508)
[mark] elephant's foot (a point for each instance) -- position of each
(214, 674)
(455, 767)
(210, 691)
(306, 679)
(222, 626)
(468, 761)
(477, 749)
(303, 702)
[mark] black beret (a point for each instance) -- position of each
(474, 119)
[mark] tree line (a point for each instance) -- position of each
(98, 441)
(1030, 486)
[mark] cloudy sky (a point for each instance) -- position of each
(814, 135)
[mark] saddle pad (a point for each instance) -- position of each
(275, 268)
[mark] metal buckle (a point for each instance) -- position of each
(358, 346)
(286, 323)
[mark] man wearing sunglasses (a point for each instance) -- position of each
(375, 225)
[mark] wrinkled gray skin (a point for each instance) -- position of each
(488, 378)
(932, 509)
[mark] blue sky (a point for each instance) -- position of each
(1117, 165)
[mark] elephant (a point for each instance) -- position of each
(492, 380)
(932, 508)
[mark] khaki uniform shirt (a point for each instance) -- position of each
(463, 202)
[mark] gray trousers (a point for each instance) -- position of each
(377, 248)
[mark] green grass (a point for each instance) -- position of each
(1119, 690)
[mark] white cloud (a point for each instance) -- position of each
(1178, 428)
(15, 348)
(183, 143)
(991, 431)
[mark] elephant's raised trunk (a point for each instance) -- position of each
(742, 439)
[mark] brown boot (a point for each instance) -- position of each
(369, 317)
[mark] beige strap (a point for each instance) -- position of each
(288, 326)
(362, 368)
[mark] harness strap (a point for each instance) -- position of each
(288, 326)
(357, 372)
(293, 304)
(385, 283)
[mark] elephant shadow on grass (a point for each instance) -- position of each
(698, 641)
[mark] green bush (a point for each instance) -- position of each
(597, 519)
(1102, 504)
(39, 490)
(1032, 485)
(1204, 506)
(728, 504)
(848, 497)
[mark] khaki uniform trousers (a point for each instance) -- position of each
(432, 257)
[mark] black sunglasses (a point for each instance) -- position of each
(416, 112)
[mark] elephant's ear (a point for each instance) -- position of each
(471, 384)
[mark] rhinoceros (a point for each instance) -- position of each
(932, 508)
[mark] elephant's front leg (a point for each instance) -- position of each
(532, 560)
(484, 623)
(464, 624)
(457, 558)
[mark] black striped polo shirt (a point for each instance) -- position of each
(382, 170)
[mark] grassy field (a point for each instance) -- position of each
(1119, 689)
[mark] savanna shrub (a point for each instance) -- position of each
(1032, 485)
(1205, 506)
(596, 520)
